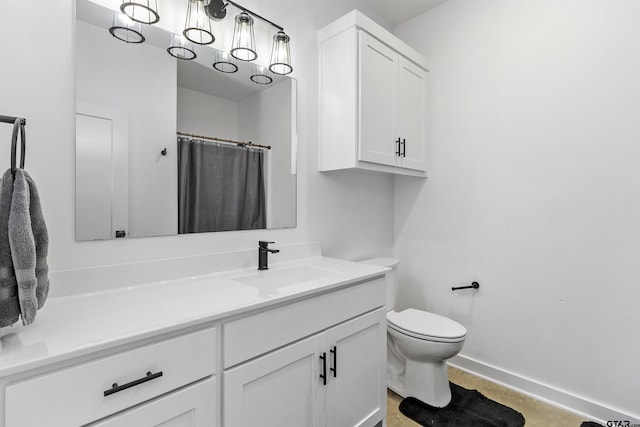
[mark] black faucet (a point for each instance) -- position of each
(263, 252)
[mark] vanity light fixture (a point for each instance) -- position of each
(280, 55)
(181, 48)
(260, 75)
(125, 29)
(243, 46)
(197, 28)
(244, 42)
(143, 11)
(225, 63)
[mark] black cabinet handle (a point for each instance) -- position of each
(404, 147)
(398, 149)
(323, 357)
(116, 388)
(334, 351)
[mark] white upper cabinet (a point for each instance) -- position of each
(372, 99)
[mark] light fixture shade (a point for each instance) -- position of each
(260, 75)
(144, 11)
(225, 63)
(125, 29)
(197, 28)
(280, 55)
(181, 48)
(244, 43)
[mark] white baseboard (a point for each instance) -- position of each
(572, 403)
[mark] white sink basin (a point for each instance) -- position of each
(273, 279)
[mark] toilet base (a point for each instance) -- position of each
(426, 381)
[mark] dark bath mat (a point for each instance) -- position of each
(468, 408)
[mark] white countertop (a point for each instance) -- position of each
(75, 325)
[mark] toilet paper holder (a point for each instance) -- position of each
(473, 285)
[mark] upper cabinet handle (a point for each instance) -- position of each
(404, 147)
(398, 149)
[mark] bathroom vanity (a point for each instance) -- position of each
(302, 344)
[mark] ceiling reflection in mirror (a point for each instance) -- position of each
(166, 146)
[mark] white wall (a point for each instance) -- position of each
(268, 122)
(196, 114)
(351, 216)
(533, 190)
(132, 78)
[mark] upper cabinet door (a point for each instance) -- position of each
(378, 101)
(412, 89)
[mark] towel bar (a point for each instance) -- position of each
(18, 128)
(9, 119)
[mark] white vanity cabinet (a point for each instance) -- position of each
(372, 99)
(317, 362)
(168, 383)
(209, 351)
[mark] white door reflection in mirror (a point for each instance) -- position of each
(102, 170)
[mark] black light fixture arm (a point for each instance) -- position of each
(250, 12)
(216, 9)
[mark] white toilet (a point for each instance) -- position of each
(418, 345)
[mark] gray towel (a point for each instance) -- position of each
(9, 305)
(23, 248)
(41, 238)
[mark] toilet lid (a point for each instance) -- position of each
(426, 325)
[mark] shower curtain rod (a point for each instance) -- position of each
(227, 141)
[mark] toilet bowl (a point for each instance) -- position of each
(425, 341)
(418, 345)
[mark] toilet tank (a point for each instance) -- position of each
(391, 277)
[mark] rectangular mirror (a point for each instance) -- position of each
(157, 138)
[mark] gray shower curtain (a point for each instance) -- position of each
(220, 187)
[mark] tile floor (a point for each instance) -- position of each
(536, 413)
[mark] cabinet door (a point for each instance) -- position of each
(193, 406)
(378, 91)
(278, 389)
(357, 382)
(411, 114)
